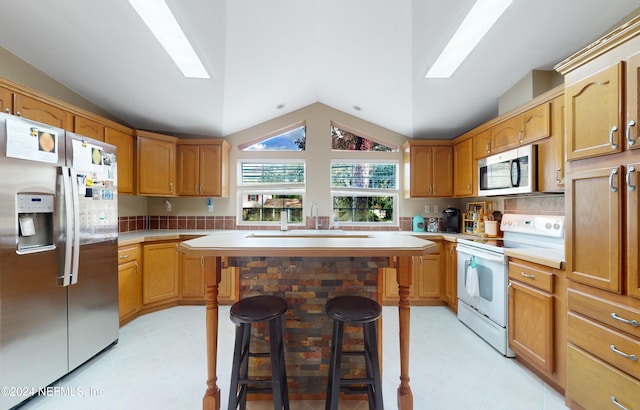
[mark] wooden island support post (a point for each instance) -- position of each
(403, 247)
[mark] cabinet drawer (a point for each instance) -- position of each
(532, 274)
(595, 385)
(613, 347)
(128, 253)
(617, 316)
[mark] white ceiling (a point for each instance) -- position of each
(264, 53)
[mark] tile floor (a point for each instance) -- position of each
(159, 363)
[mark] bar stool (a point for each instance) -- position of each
(354, 310)
(256, 309)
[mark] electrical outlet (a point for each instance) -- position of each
(435, 209)
(427, 209)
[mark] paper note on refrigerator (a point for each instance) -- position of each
(35, 143)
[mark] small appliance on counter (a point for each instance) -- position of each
(433, 224)
(451, 220)
(418, 223)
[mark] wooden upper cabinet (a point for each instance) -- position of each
(551, 151)
(156, 164)
(203, 167)
(535, 123)
(36, 110)
(594, 231)
(125, 157)
(88, 128)
(6, 100)
(633, 230)
(463, 167)
(593, 109)
(430, 169)
(506, 134)
(633, 101)
(482, 144)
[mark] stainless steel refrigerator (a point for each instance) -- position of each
(58, 253)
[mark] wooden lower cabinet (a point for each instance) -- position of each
(129, 282)
(536, 303)
(450, 258)
(192, 278)
(427, 280)
(160, 272)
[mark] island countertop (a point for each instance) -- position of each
(308, 243)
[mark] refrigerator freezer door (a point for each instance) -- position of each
(33, 308)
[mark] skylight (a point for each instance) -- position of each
(157, 16)
(480, 19)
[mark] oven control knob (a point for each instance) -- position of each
(547, 225)
(556, 226)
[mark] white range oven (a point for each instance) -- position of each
(482, 298)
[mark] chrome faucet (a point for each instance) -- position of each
(314, 205)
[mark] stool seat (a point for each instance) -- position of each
(256, 309)
(353, 309)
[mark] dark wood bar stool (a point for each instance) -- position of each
(256, 309)
(354, 310)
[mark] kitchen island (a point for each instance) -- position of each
(304, 245)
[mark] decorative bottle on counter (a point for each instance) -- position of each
(418, 223)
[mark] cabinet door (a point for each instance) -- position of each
(210, 170)
(451, 279)
(156, 167)
(421, 172)
(594, 228)
(442, 171)
(88, 128)
(36, 110)
(227, 288)
(6, 100)
(482, 144)
(506, 134)
(594, 114)
(633, 101)
(536, 123)
(428, 282)
(551, 152)
(463, 165)
(129, 292)
(192, 278)
(125, 154)
(633, 230)
(160, 272)
(188, 170)
(531, 325)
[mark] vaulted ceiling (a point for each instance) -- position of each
(270, 57)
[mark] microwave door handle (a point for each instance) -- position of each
(515, 163)
(76, 226)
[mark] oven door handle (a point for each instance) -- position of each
(479, 254)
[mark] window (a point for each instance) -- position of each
(364, 192)
(292, 138)
(266, 189)
(343, 140)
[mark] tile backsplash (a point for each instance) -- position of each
(535, 205)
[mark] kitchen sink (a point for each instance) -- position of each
(308, 233)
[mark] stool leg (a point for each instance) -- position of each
(276, 380)
(235, 367)
(372, 359)
(366, 336)
(282, 366)
(333, 385)
(244, 364)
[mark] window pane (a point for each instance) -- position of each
(364, 175)
(292, 140)
(342, 140)
(271, 173)
(363, 208)
(268, 207)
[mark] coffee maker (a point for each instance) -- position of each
(451, 220)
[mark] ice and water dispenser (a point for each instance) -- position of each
(35, 222)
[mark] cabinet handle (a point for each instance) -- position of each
(196, 188)
(611, 132)
(176, 248)
(633, 322)
(430, 190)
(558, 180)
(533, 277)
(520, 134)
(613, 172)
(202, 261)
(630, 169)
(136, 264)
(631, 357)
(617, 404)
(171, 187)
(201, 189)
(7, 110)
(488, 148)
(125, 256)
(451, 250)
(630, 124)
(19, 114)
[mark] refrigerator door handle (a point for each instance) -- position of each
(76, 225)
(68, 210)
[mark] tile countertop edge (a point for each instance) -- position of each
(553, 258)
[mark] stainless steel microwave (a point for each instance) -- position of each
(511, 172)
